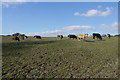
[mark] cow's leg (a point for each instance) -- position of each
(100, 38)
(78, 39)
(84, 39)
(18, 40)
(94, 37)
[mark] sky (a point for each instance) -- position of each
(53, 18)
(59, 0)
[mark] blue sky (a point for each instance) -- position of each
(52, 18)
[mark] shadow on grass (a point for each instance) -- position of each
(100, 40)
(94, 40)
(89, 41)
(16, 48)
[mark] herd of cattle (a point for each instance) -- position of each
(78, 36)
(14, 37)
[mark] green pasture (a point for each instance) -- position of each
(55, 58)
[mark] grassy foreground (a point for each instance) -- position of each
(55, 58)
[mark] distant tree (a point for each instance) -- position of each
(8, 35)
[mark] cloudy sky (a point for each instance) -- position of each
(52, 18)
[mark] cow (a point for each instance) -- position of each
(82, 36)
(38, 37)
(72, 36)
(97, 35)
(15, 38)
(117, 35)
(22, 37)
(108, 36)
(26, 37)
(60, 36)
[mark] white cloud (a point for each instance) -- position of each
(77, 14)
(64, 30)
(115, 26)
(104, 26)
(46, 32)
(94, 12)
(112, 27)
(51, 32)
(77, 27)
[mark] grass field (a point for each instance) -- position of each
(55, 58)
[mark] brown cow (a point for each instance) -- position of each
(15, 38)
(22, 37)
(72, 36)
(60, 36)
(82, 36)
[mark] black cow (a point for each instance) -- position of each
(38, 37)
(108, 36)
(97, 35)
(72, 36)
(26, 37)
